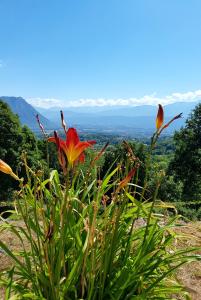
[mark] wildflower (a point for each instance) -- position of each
(159, 124)
(7, 169)
(160, 117)
(72, 147)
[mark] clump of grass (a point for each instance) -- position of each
(84, 236)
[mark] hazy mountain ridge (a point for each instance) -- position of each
(132, 120)
(139, 118)
(26, 112)
(132, 111)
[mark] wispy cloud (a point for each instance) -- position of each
(1, 63)
(46, 102)
(145, 100)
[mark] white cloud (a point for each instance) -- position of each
(46, 102)
(145, 100)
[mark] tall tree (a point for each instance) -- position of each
(10, 141)
(186, 164)
(13, 140)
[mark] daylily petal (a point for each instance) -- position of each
(59, 142)
(81, 146)
(160, 117)
(72, 137)
(72, 147)
(61, 147)
(73, 153)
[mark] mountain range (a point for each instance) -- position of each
(132, 120)
(126, 120)
(26, 113)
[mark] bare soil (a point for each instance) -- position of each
(190, 274)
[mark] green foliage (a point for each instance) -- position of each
(119, 155)
(11, 139)
(170, 190)
(186, 164)
(15, 140)
(164, 146)
(83, 240)
(82, 246)
(92, 234)
(191, 209)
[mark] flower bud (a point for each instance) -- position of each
(160, 117)
(5, 168)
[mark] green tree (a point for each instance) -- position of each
(15, 139)
(10, 140)
(34, 155)
(186, 164)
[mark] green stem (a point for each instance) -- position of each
(150, 213)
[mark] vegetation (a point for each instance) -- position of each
(176, 159)
(10, 139)
(186, 164)
(91, 237)
(15, 141)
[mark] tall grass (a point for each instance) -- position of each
(83, 238)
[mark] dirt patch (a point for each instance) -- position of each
(190, 274)
(13, 244)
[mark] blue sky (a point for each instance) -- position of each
(55, 51)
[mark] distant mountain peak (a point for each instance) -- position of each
(26, 112)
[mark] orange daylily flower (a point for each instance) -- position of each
(72, 147)
(160, 117)
(5, 168)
